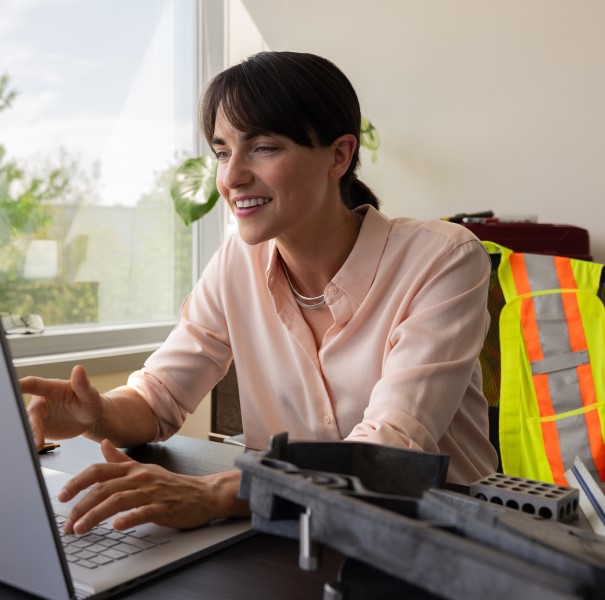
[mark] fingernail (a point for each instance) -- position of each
(80, 527)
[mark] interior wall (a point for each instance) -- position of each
(480, 104)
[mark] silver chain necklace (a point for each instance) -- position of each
(309, 301)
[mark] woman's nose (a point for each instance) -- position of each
(236, 172)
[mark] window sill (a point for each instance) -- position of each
(100, 349)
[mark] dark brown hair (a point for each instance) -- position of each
(294, 94)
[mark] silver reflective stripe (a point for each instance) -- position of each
(567, 360)
(573, 442)
(541, 272)
(552, 324)
(560, 361)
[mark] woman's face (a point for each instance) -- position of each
(274, 187)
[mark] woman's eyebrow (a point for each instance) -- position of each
(246, 137)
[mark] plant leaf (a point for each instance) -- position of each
(193, 188)
(370, 138)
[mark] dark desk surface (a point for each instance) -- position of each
(262, 567)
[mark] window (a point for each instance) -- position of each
(102, 111)
(98, 105)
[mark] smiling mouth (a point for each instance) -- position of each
(251, 202)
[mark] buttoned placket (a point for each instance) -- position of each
(294, 322)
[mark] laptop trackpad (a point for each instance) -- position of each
(55, 480)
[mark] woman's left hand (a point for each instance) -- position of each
(144, 493)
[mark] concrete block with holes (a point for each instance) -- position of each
(546, 500)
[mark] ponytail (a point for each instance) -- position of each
(356, 193)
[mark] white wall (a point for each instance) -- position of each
(481, 104)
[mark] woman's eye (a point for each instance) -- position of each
(265, 149)
(221, 154)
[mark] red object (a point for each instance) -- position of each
(537, 238)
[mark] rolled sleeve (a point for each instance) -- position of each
(194, 357)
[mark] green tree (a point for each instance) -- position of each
(6, 96)
(37, 201)
(30, 196)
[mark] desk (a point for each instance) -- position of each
(262, 567)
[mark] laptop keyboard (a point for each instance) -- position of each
(104, 545)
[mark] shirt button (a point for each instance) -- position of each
(332, 289)
(327, 420)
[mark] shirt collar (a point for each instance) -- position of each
(357, 273)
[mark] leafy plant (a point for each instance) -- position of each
(194, 191)
(370, 138)
(30, 196)
(193, 188)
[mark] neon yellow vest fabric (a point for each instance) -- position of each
(552, 346)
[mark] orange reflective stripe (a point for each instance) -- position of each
(550, 434)
(577, 339)
(517, 263)
(567, 280)
(593, 422)
(543, 395)
(530, 330)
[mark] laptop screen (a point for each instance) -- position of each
(29, 554)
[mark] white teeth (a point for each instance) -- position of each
(250, 202)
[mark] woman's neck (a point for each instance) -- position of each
(315, 257)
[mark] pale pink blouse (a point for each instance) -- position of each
(398, 367)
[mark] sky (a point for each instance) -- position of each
(110, 81)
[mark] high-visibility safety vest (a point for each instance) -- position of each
(552, 345)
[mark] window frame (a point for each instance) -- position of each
(106, 348)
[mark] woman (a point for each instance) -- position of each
(343, 324)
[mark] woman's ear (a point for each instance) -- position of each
(344, 148)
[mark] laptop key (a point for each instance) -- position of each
(143, 544)
(115, 554)
(156, 540)
(96, 549)
(128, 548)
(101, 559)
(104, 545)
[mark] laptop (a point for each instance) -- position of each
(33, 556)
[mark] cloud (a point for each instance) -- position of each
(130, 151)
(11, 13)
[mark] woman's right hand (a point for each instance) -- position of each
(62, 409)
